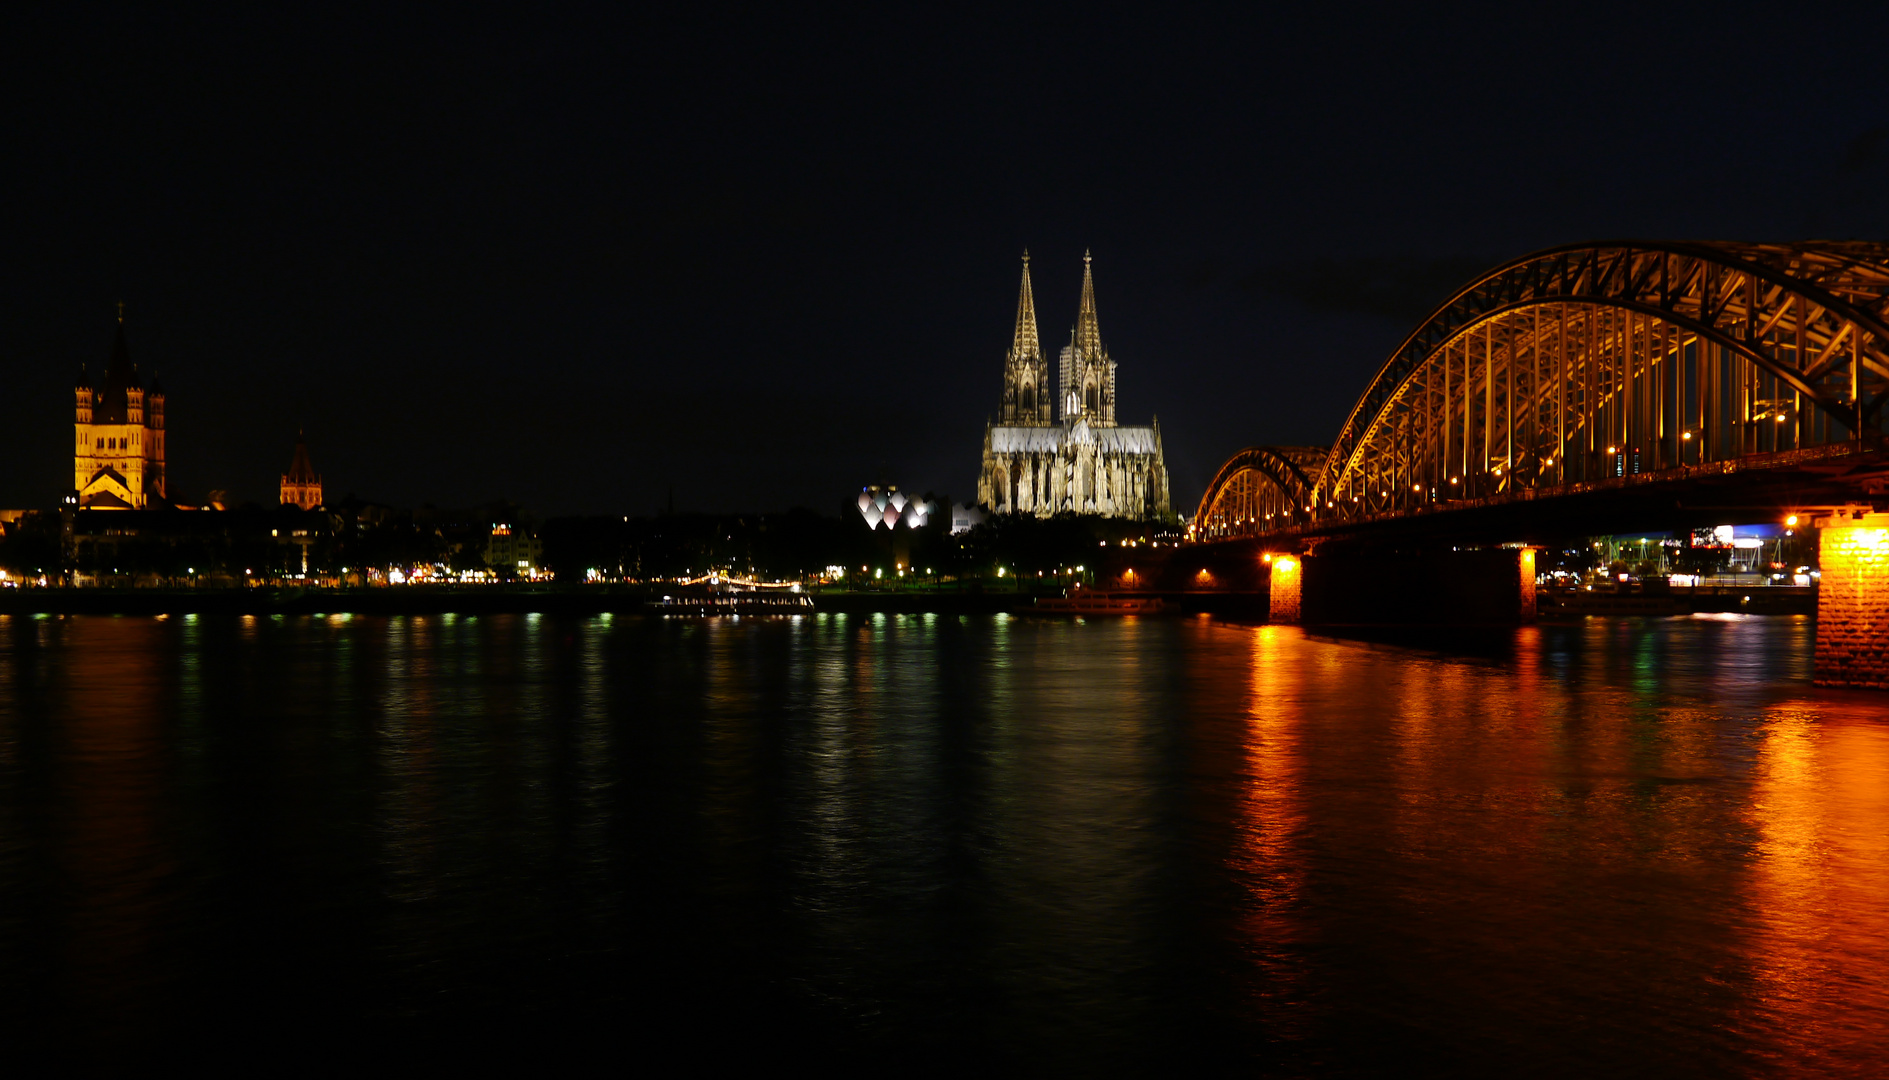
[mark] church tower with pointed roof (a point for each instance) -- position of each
(1081, 461)
(118, 436)
(1086, 376)
(301, 485)
(1026, 401)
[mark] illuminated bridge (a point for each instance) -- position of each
(1605, 387)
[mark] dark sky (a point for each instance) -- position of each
(575, 258)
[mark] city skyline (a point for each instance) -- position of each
(485, 255)
(533, 532)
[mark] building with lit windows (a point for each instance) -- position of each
(513, 549)
(1049, 453)
(118, 436)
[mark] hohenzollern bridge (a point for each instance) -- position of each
(1598, 388)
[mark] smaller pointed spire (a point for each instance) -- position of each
(1088, 329)
(301, 470)
(1024, 343)
(121, 312)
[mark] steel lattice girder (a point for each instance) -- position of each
(1287, 469)
(1831, 297)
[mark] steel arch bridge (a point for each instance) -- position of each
(1592, 366)
(1264, 486)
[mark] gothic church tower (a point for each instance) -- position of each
(301, 485)
(1086, 375)
(1026, 401)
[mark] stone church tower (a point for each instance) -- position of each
(118, 436)
(301, 485)
(1082, 461)
(1087, 385)
(1026, 401)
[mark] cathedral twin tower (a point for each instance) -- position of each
(1064, 451)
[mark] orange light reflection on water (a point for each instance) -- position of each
(1270, 821)
(1820, 883)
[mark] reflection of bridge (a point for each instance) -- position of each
(1603, 387)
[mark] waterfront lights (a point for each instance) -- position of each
(1266, 557)
(1285, 564)
(1686, 435)
(1791, 521)
(1780, 418)
(1613, 449)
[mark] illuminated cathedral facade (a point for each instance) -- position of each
(1063, 450)
(118, 451)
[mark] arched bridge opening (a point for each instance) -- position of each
(1259, 489)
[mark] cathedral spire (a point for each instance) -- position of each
(1088, 330)
(1024, 344)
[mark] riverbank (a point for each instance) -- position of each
(538, 599)
(1706, 599)
(624, 600)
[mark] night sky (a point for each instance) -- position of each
(579, 259)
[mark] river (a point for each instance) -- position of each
(939, 843)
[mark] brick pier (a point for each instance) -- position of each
(1853, 602)
(1283, 604)
(1366, 587)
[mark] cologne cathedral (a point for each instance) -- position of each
(118, 449)
(1064, 451)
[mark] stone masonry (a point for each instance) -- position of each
(1853, 602)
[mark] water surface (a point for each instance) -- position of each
(1638, 846)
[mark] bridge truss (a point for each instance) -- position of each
(1262, 487)
(1590, 366)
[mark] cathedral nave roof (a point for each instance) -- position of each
(1049, 440)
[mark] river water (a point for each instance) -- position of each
(934, 843)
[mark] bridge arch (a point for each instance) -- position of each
(1258, 489)
(1595, 363)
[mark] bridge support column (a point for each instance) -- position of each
(1371, 587)
(1853, 602)
(1287, 579)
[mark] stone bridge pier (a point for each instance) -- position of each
(1853, 601)
(1363, 586)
